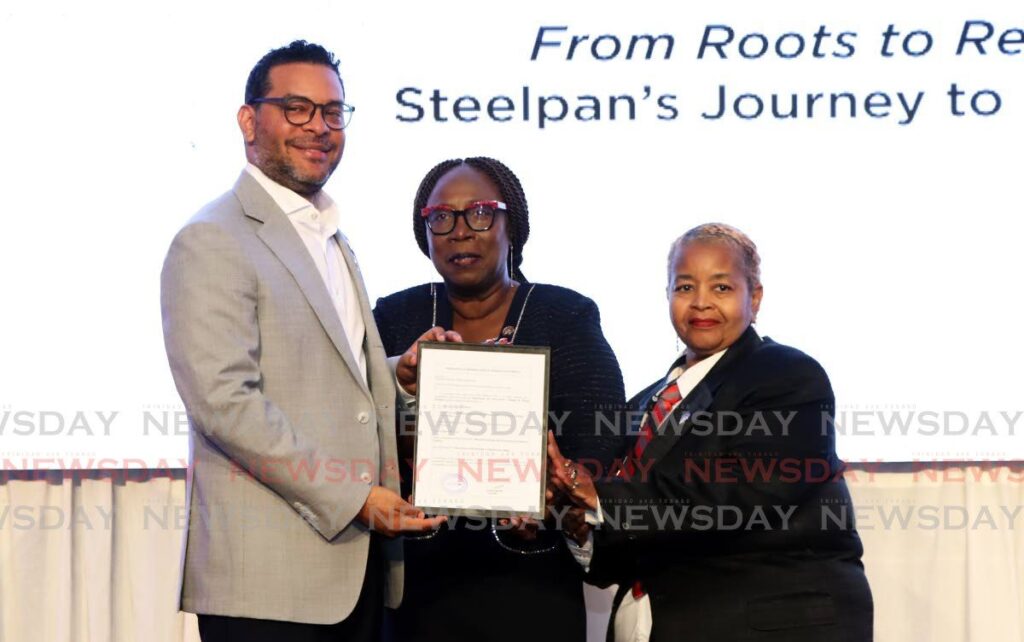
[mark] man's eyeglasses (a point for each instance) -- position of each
(479, 216)
(299, 110)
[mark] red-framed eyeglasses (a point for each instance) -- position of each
(479, 216)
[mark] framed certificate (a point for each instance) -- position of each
(481, 429)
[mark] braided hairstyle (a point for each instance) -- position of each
(517, 213)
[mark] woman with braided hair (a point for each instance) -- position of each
(469, 579)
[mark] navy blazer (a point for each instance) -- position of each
(737, 521)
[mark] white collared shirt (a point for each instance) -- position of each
(317, 225)
(687, 379)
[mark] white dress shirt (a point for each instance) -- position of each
(316, 221)
(687, 379)
(633, 619)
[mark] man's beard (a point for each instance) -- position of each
(278, 168)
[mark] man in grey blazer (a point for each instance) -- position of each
(274, 351)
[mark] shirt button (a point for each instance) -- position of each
(363, 417)
(365, 477)
(316, 216)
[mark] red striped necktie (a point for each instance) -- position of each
(664, 402)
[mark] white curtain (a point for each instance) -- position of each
(944, 550)
(93, 557)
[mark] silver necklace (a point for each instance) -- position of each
(515, 329)
(494, 531)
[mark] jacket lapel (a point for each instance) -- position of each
(375, 362)
(700, 398)
(280, 236)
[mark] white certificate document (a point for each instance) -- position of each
(481, 429)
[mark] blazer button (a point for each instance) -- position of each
(363, 417)
(365, 477)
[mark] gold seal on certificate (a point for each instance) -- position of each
(481, 429)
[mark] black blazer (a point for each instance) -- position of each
(738, 522)
(463, 584)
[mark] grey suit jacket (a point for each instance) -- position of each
(286, 437)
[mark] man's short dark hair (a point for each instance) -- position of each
(258, 85)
